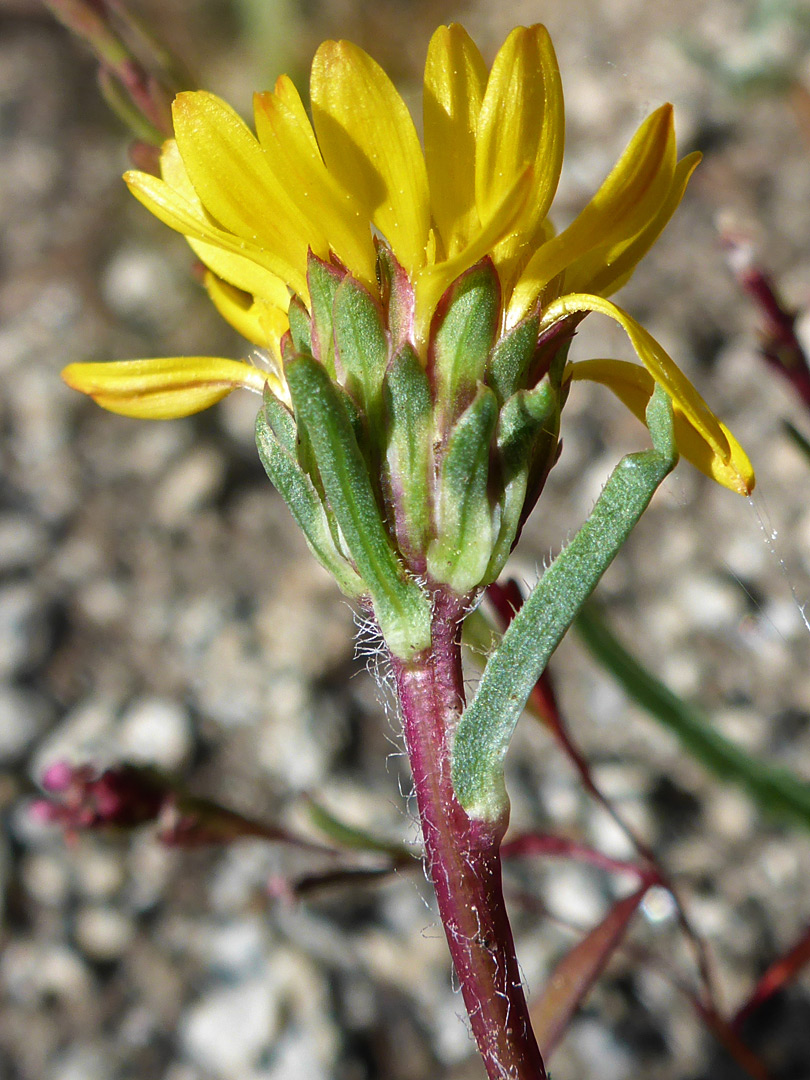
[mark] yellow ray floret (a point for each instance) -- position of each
(455, 82)
(369, 143)
(163, 389)
(633, 386)
(521, 122)
(628, 200)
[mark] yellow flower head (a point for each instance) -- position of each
(253, 206)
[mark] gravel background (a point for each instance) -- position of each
(158, 605)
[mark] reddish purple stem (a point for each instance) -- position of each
(781, 972)
(779, 344)
(463, 857)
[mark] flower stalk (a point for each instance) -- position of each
(463, 855)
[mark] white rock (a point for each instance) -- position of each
(22, 542)
(229, 1028)
(149, 868)
(31, 971)
(20, 627)
(81, 1063)
(138, 280)
(22, 717)
(239, 947)
(83, 735)
(98, 871)
(295, 1057)
(709, 602)
(572, 893)
(46, 879)
(156, 731)
(103, 932)
(192, 483)
(598, 1049)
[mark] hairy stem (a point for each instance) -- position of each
(463, 857)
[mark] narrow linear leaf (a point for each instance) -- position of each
(799, 441)
(775, 790)
(780, 974)
(576, 973)
(350, 836)
(487, 725)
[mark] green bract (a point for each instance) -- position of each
(406, 477)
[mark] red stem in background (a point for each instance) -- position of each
(781, 972)
(779, 345)
(463, 857)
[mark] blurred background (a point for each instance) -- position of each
(158, 604)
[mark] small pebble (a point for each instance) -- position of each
(22, 542)
(228, 1029)
(23, 715)
(103, 933)
(154, 731)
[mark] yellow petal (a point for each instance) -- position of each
(242, 273)
(369, 143)
(633, 385)
(628, 199)
(521, 123)
(259, 322)
(455, 81)
(238, 270)
(286, 134)
(235, 181)
(433, 280)
(162, 389)
(169, 206)
(663, 369)
(605, 271)
(288, 95)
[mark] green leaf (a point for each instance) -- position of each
(459, 555)
(487, 725)
(323, 281)
(299, 493)
(280, 421)
(528, 426)
(397, 296)
(299, 326)
(775, 790)
(350, 836)
(401, 607)
(409, 413)
(362, 348)
(462, 336)
(798, 440)
(512, 356)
